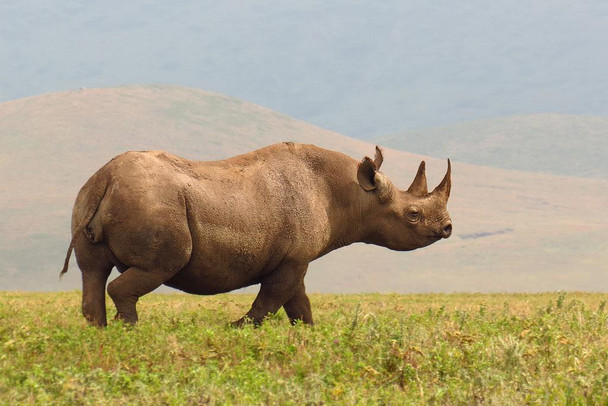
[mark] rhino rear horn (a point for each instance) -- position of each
(419, 186)
(443, 189)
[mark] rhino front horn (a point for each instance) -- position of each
(443, 189)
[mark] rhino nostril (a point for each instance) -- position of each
(447, 231)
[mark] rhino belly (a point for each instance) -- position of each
(210, 282)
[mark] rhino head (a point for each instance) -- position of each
(405, 219)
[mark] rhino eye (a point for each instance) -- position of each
(413, 214)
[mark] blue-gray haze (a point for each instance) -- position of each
(363, 68)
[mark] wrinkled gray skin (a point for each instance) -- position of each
(261, 217)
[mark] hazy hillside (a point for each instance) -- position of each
(513, 230)
(361, 68)
(566, 145)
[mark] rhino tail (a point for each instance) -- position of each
(92, 199)
(67, 259)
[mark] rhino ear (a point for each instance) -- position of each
(443, 189)
(370, 179)
(378, 158)
(366, 173)
(419, 186)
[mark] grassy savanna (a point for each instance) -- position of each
(364, 349)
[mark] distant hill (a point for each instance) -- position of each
(569, 145)
(513, 231)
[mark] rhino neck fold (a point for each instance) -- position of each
(351, 223)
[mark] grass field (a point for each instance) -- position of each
(365, 349)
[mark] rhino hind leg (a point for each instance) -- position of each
(94, 261)
(127, 288)
(277, 288)
(150, 252)
(298, 307)
(94, 295)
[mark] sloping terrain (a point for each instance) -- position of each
(569, 145)
(514, 231)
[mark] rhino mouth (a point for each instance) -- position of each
(429, 239)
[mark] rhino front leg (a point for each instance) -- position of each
(298, 307)
(276, 289)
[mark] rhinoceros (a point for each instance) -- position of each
(257, 218)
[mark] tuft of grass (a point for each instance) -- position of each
(365, 349)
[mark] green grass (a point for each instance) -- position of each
(365, 349)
